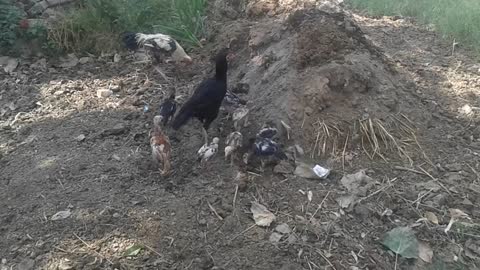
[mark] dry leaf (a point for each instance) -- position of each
(431, 217)
(262, 216)
(61, 215)
(457, 213)
(425, 252)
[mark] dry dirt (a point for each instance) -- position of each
(337, 79)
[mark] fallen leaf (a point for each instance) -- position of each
(425, 252)
(134, 250)
(457, 213)
(402, 241)
(431, 217)
(262, 216)
(61, 215)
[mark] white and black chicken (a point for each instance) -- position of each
(161, 46)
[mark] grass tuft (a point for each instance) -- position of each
(457, 20)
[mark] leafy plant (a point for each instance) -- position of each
(10, 15)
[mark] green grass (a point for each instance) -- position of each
(459, 19)
(96, 25)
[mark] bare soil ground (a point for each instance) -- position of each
(379, 94)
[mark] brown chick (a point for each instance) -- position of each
(161, 147)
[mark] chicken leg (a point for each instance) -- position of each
(205, 135)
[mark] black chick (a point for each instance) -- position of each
(207, 98)
(168, 108)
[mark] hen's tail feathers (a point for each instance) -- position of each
(130, 40)
(181, 119)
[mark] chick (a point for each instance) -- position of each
(264, 149)
(161, 147)
(233, 142)
(239, 114)
(168, 108)
(207, 151)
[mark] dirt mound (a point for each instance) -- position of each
(315, 66)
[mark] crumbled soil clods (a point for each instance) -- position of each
(63, 147)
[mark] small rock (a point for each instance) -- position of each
(116, 215)
(103, 93)
(453, 178)
(115, 88)
(70, 61)
(455, 167)
(80, 138)
(275, 237)
(283, 228)
(283, 167)
(11, 65)
(292, 239)
(116, 58)
(118, 129)
(84, 60)
(440, 199)
(26, 264)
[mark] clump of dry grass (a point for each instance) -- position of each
(378, 138)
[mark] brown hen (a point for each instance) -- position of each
(161, 147)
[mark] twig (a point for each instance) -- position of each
(343, 153)
(244, 231)
(319, 206)
(89, 247)
(235, 196)
(409, 170)
(60, 182)
(214, 211)
(377, 191)
(326, 259)
(396, 260)
(153, 250)
(435, 179)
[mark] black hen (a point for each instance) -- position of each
(168, 108)
(207, 98)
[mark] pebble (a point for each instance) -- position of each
(103, 93)
(84, 60)
(80, 138)
(283, 228)
(26, 264)
(275, 237)
(118, 129)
